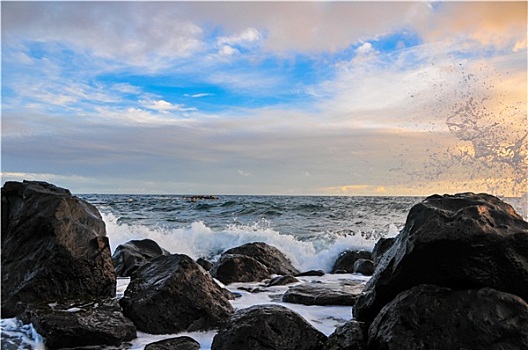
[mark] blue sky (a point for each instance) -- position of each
(353, 98)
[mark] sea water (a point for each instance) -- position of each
(311, 231)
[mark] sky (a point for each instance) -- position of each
(293, 98)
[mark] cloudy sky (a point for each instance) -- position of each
(357, 98)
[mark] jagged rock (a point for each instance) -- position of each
(345, 261)
(432, 317)
(232, 268)
(381, 246)
(78, 323)
(318, 273)
(342, 293)
(178, 343)
(350, 336)
(205, 264)
(282, 281)
(462, 241)
(364, 267)
(173, 293)
(54, 245)
(268, 327)
(129, 256)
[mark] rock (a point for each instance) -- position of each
(172, 294)
(54, 245)
(349, 336)
(129, 256)
(282, 280)
(318, 273)
(381, 246)
(342, 293)
(364, 267)
(462, 241)
(178, 343)
(267, 255)
(268, 327)
(432, 317)
(345, 261)
(205, 264)
(77, 323)
(232, 268)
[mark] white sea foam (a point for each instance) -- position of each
(198, 240)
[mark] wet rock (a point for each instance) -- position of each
(345, 261)
(173, 293)
(78, 323)
(432, 317)
(205, 264)
(364, 267)
(342, 293)
(381, 246)
(54, 245)
(178, 343)
(268, 327)
(282, 281)
(318, 273)
(129, 256)
(232, 268)
(462, 241)
(349, 336)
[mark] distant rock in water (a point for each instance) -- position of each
(462, 241)
(364, 267)
(268, 327)
(172, 294)
(54, 245)
(432, 317)
(345, 262)
(128, 257)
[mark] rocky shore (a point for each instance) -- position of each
(455, 277)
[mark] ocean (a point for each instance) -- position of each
(310, 230)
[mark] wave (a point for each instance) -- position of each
(198, 240)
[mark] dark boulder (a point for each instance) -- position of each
(268, 327)
(345, 262)
(54, 245)
(232, 268)
(318, 273)
(350, 336)
(78, 323)
(463, 241)
(178, 343)
(432, 317)
(364, 267)
(282, 281)
(381, 246)
(173, 293)
(341, 293)
(205, 264)
(129, 256)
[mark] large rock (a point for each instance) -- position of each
(381, 246)
(346, 260)
(268, 327)
(432, 317)
(462, 241)
(78, 323)
(128, 257)
(267, 255)
(337, 293)
(232, 268)
(54, 245)
(172, 294)
(350, 336)
(178, 343)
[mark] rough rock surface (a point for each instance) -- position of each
(342, 293)
(282, 281)
(173, 293)
(205, 264)
(77, 323)
(462, 241)
(381, 246)
(349, 336)
(178, 343)
(54, 245)
(232, 268)
(345, 261)
(364, 267)
(268, 327)
(129, 256)
(432, 317)
(311, 273)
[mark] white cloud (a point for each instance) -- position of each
(249, 35)
(227, 50)
(164, 106)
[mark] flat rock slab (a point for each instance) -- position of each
(344, 293)
(178, 343)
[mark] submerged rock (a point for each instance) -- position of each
(54, 245)
(79, 323)
(345, 262)
(178, 343)
(463, 241)
(432, 317)
(128, 257)
(342, 293)
(173, 294)
(268, 327)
